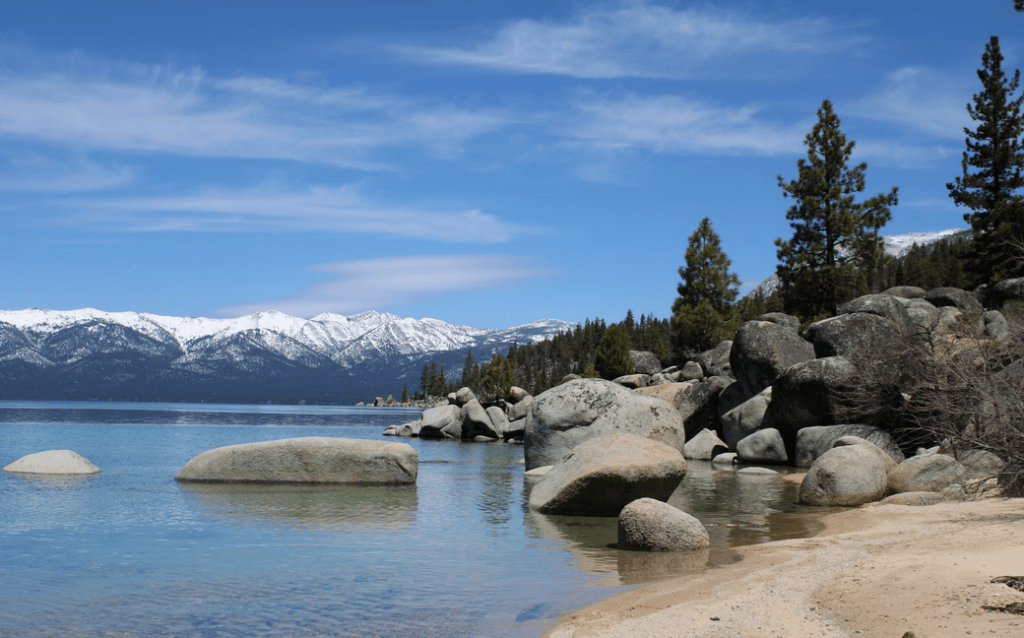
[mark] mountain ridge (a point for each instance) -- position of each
(264, 356)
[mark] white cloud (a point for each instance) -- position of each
(921, 99)
(37, 172)
(638, 39)
(159, 109)
(340, 209)
(673, 124)
(388, 282)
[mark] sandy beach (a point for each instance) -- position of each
(878, 571)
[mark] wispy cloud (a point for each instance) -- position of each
(921, 99)
(342, 209)
(638, 39)
(388, 282)
(674, 125)
(159, 109)
(39, 172)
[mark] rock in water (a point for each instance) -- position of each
(602, 475)
(653, 526)
(62, 462)
(569, 414)
(311, 459)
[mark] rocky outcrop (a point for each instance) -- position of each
(644, 362)
(812, 442)
(809, 394)
(569, 414)
(746, 418)
(602, 475)
(312, 459)
(762, 351)
(55, 462)
(442, 422)
(847, 475)
(696, 402)
(654, 526)
(715, 362)
(961, 299)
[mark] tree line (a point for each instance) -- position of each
(835, 253)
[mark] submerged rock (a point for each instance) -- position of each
(654, 526)
(62, 462)
(311, 459)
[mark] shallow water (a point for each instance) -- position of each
(131, 552)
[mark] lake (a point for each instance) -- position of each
(131, 552)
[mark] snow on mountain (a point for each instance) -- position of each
(343, 340)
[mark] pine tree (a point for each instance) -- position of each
(612, 358)
(994, 151)
(708, 289)
(496, 378)
(834, 238)
(470, 373)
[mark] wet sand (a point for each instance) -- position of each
(874, 571)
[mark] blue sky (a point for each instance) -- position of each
(483, 163)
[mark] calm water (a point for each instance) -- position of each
(131, 552)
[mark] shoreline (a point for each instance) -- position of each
(875, 571)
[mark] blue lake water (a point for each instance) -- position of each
(131, 552)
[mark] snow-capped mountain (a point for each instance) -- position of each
(895, 245)
(266, 356)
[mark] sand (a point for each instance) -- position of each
(875, 571)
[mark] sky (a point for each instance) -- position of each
(482, 163)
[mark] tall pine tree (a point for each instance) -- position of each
(834, 238)
(708, 289)
(995, 155)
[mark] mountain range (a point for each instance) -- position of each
(263, 357)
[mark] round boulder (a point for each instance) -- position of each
(928, 473)
(846, 476)
(604, 474)
(569, 414)
(653, 526)
(814, 441)
(311, 459)
(705, 446)
(58, 462)
(763, 446)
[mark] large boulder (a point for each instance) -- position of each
(569, 414)
(442, 422)
(812, 442)
(704, 447)
(846, 476)
(697, 402)
(763, 446)
(810, 393)
(762, 351)
(654, 526)
(644, 362)
(882, 305)
(875, 342)
(963, 300)
(746, 418)
(58, 462)
(498, 420)
(604, 474)
(981, 464)
(463, 396)
(715, 362)
(311, 459)
(927, 473)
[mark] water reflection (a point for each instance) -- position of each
(336, 507)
